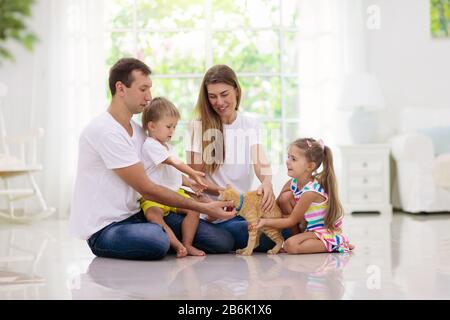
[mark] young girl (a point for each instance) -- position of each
(316, 201)
(159, 119)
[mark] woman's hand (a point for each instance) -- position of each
(268, 197)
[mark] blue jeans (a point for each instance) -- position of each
(238, 227)
(137, 239)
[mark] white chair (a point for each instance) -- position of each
(422, 179)
(24, 165)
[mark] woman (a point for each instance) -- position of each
(226, 146)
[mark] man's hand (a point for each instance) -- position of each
(215, 209)
(268, 197)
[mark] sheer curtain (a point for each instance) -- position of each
(71, 78)
(73, 64)
(331, 45)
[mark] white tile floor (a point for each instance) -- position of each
(408, 258)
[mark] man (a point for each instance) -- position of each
(111, 178)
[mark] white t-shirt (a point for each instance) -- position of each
(100, 196)
(153, 154)
(239, 137)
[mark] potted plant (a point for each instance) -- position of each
(13, 14)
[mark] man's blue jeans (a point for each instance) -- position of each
(137, 239)
(238, 227)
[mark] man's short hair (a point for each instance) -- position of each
(121, 71)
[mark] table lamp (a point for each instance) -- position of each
(362, 95)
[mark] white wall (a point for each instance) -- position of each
(27, 81)
(413, 68)
(26, 77)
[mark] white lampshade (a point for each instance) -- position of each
(361, 91)
(362, 95)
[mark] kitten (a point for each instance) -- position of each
(248, 206)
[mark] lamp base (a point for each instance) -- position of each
(363, 127)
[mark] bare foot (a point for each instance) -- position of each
(351, 246)
(181, 252)
(192, 251)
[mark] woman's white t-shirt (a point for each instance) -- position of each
(153, 154)
(239, 138)
(100, 196)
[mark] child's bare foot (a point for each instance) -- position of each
(351, 246)
(192, 251)
(181, 251)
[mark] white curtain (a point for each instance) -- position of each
(70, 78)
(73, 65)
(331, 45)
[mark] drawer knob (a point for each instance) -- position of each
(365, 196)
(365, 180)
(364, 164)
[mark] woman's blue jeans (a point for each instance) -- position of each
(137, 239)
(238, 227)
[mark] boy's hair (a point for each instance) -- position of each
(158, 108)
(320, 154)
(121, 71)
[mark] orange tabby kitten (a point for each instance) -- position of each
(248, 206)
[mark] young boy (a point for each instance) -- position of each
(159, 119)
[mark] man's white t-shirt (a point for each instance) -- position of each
(153, 154)
(239, 137)
(100, 196)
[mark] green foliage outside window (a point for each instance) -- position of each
(181, 39)
(440, 18)
(13, 14)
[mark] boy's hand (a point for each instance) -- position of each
(197, 176)
(197, 188)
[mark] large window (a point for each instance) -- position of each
(181, 39)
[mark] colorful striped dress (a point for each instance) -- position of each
(334, 241)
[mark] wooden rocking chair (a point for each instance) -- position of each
(24, 165)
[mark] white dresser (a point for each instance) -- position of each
(364, 181)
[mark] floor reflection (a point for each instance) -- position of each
(20, 255)
(261, 276)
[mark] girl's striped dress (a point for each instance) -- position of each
(334, 241)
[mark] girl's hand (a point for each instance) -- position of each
(268, 197)
(261, 223)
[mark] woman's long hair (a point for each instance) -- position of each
(210, 120)
(320, 154)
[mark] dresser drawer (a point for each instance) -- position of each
(358, 196)
(365, 181)
(365, 164)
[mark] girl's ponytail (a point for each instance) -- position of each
(327, 178)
